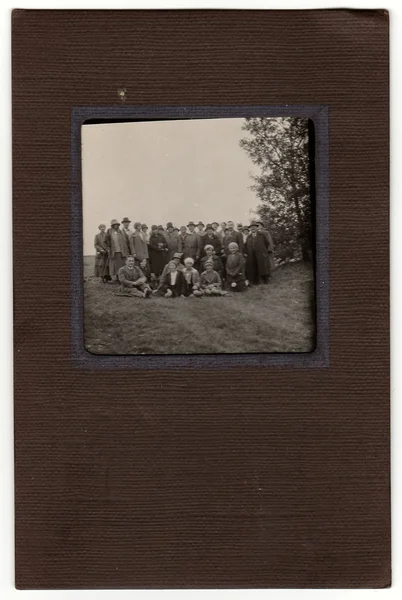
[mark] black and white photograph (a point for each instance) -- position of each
(198, 236)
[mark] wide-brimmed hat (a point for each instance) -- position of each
(144, 226)
(154, 228)
(215, 223)
(240, 225)
(169, 225)
(191, 223)
(126, 220)
(176, 229)
(200, 223)
(246, 227)
(177, 254)
(114, 222)
(209, 226)
(254, 223)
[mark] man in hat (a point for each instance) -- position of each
(102, 254)
(215, 227)
(118, 249)
(189, 243)
(222, 231)
(257, 258)
(210, 239)
(139, 248)
(126, 231)
(200, 229)
(133, 280)
(232, 235)
(240, 227)
(172, 239)
(263, 226)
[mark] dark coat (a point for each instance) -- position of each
(177, 289)
(158, 252)
(218, 266)
(233, 236)
(212, 240)
(257, 256)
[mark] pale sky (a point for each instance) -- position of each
(161, 171)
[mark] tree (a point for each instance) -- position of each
(280, 147)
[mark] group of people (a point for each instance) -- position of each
(194, 261)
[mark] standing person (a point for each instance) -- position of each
(232, 235)
(172, 239)
(264, 227)
(210, 239)
(235, 278)
(222, 231)
(256, 253)
(216, 260)
(240, 227)
(245, 232)
(215, 227)
(144, 228)
(181, 238)
(139, 248)
(210, 281)
(172, 282)
(192, 279)
(158, 251)
(189, 243)
(118, 249)
(102, 254)
(133, 280)
(126, 231)
(200, 229)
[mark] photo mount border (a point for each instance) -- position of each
(320, 357)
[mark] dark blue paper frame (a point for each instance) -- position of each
(81, 358)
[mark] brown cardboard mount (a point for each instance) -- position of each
(246, 477)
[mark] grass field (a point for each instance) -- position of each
(273, 318)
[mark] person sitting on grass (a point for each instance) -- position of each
(210, 281)
(172, 283)
(177, 259)
(216, 260)
(132, 280)
(235, 279)
(191, 279)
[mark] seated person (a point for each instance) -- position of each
(235, 263)
(176, 258)
(172, 283)
(210, 281)
(217, 262)
(132, 280)
(191, 279)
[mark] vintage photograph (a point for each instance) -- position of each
(198, 236)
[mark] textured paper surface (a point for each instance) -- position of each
(246, 477)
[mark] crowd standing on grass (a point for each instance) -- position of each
(190, 261)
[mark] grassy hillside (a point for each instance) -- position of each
(273, 318)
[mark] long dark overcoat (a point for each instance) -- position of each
(257, 256)
(158, 255)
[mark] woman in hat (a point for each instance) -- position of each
(144, 228)
(158, 251)
(210, 281)
(172, 239)
(139, 248)
(172, 282)
(235, 278)
(102, 254)
(246, 231)
(118, 249)
(192, 279)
